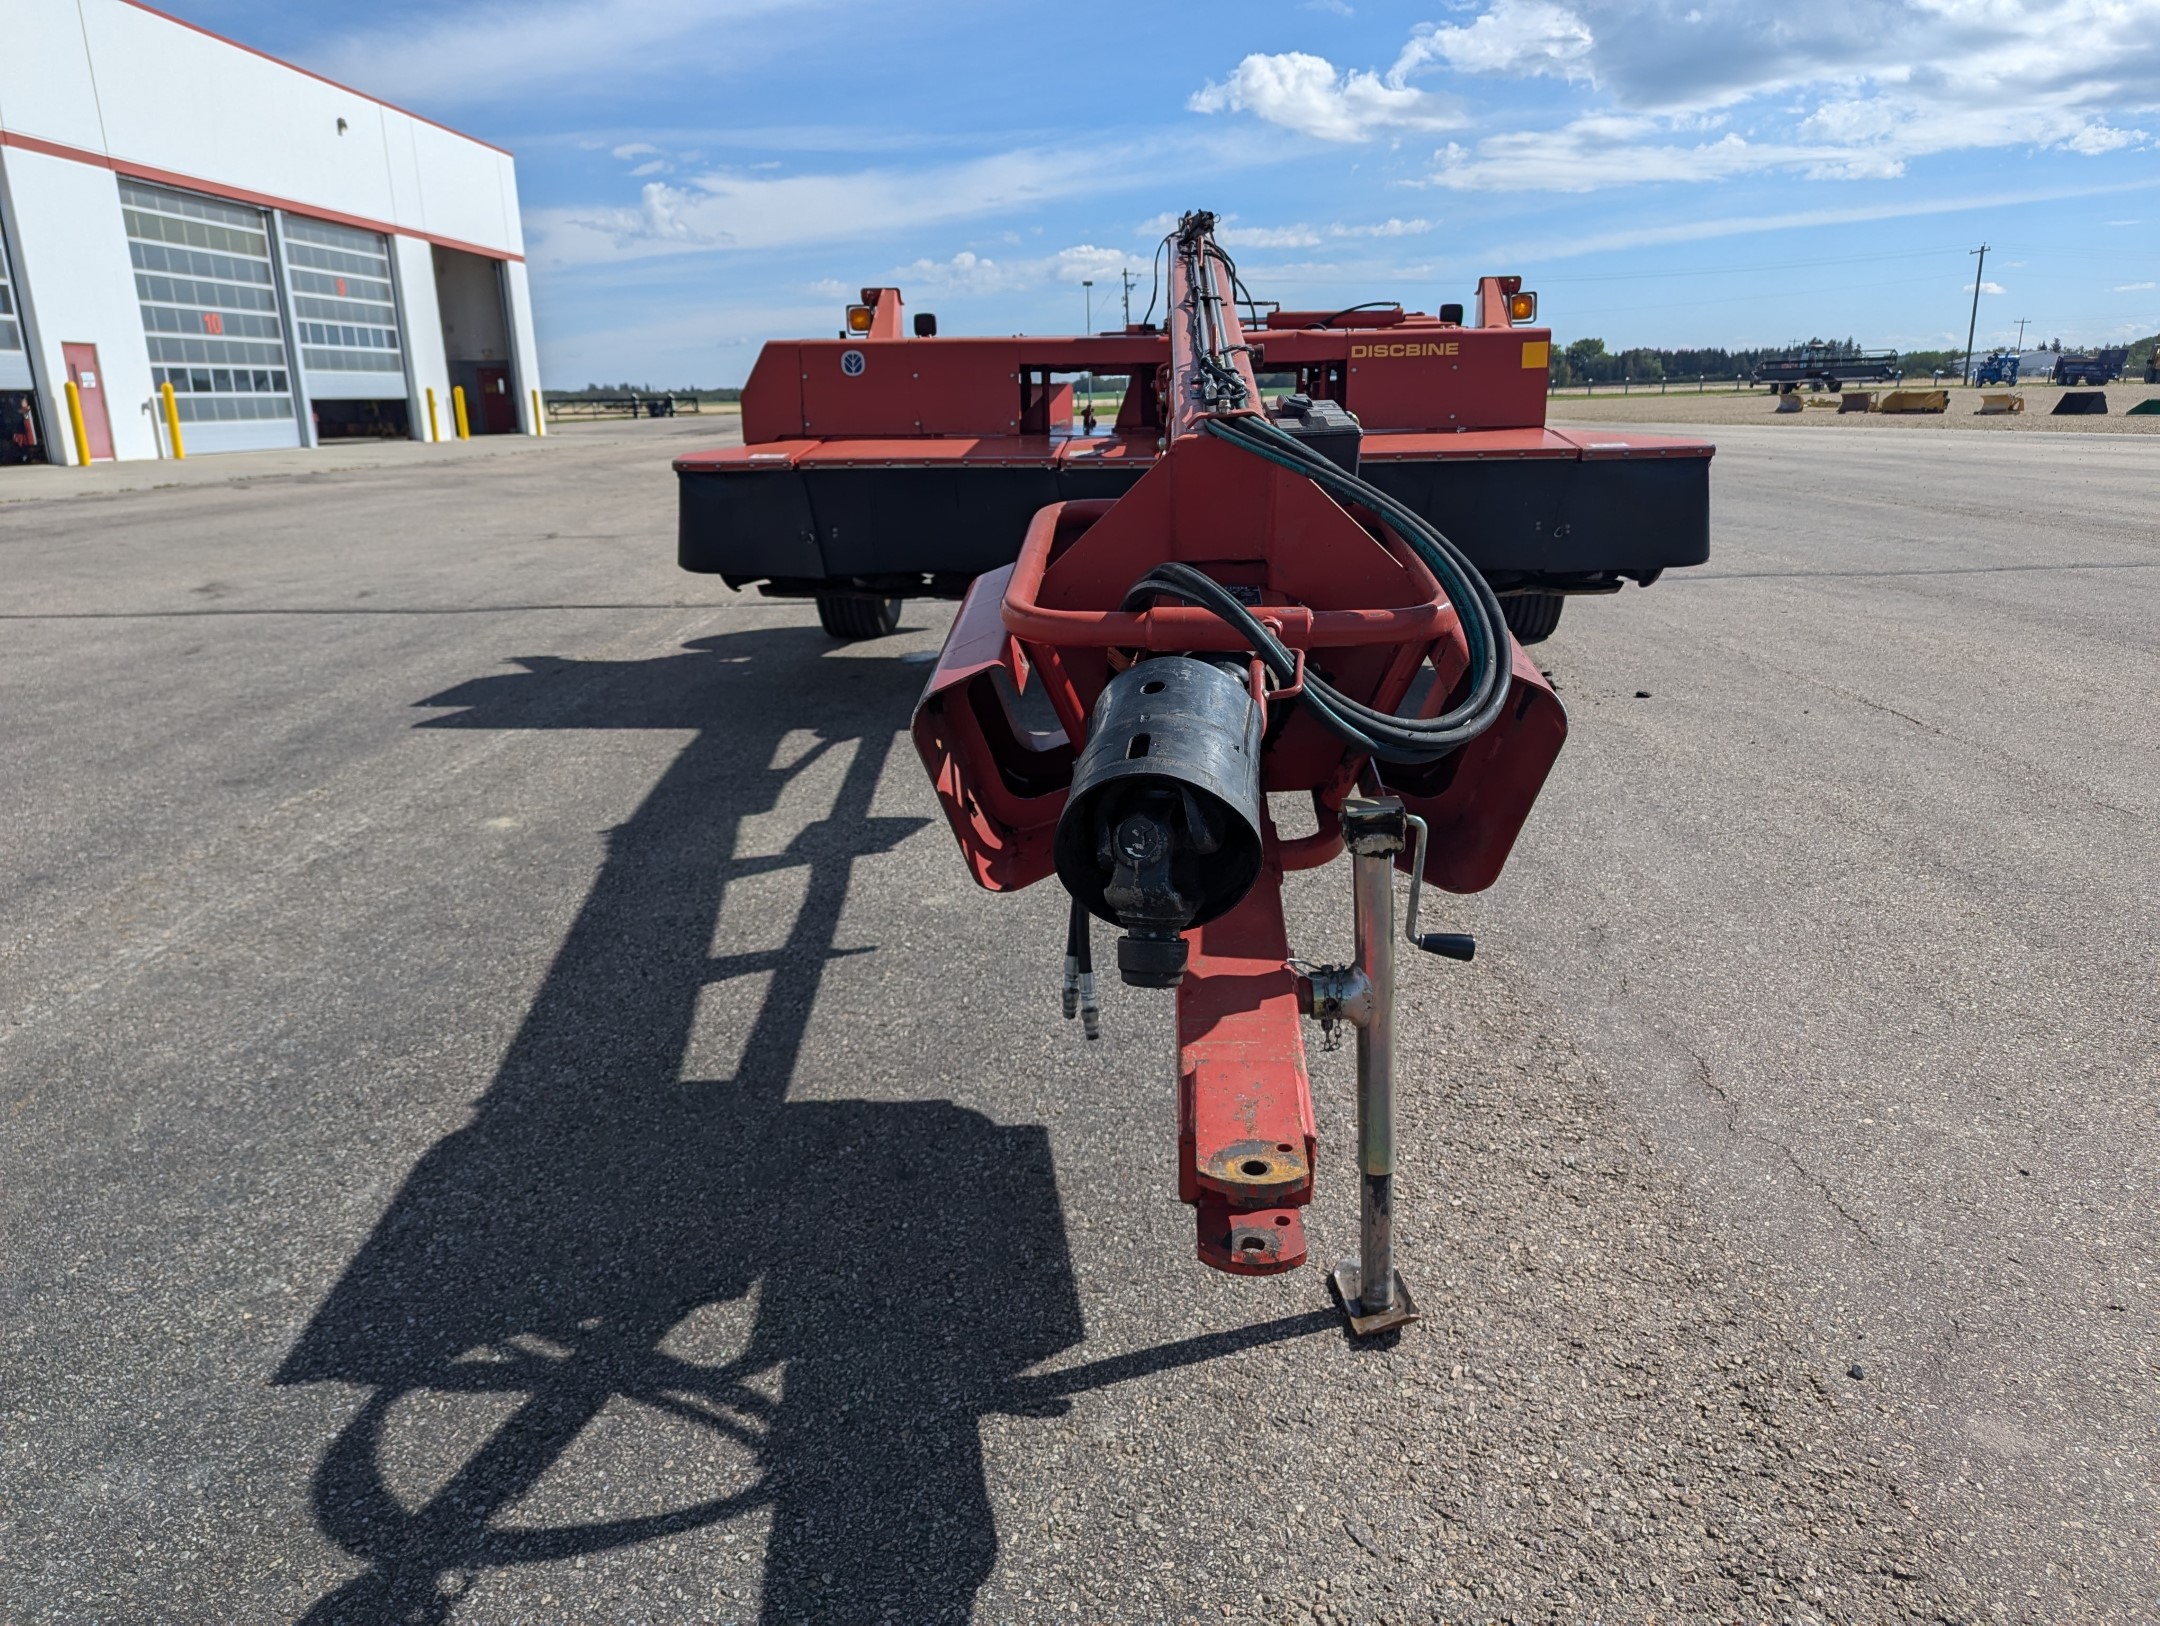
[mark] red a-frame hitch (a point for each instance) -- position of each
(1339, 590)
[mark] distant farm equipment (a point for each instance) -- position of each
(1828, 367)
(2092, 366)
(566, 408)
(1999, 369)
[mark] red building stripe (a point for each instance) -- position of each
(238, 194)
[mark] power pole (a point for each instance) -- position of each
(1974, 325)
(1130, 279)
(2022, 321)
(1087, 293)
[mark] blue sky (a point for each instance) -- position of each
(700, 175)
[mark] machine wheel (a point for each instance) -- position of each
(1532, 616)
(857, 615)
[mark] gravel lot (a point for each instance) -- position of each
(515, 1114)
(1681, 405)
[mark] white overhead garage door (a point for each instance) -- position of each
(210, 315)
(14, 357)
(344, 311)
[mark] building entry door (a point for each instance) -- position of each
(498, 413)
(82, 370)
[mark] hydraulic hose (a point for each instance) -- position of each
(1380, 734)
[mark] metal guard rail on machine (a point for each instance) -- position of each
(1245, 620)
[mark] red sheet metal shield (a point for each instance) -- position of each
(1001, 785)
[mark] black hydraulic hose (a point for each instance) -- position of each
(1380, 734)
(1478, 608)
(1351, 310)
(1155, 283)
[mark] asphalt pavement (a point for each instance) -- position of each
(514, 1112)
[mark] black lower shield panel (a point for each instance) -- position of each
(1518, 520)
(1554, 517)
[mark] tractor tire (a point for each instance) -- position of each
(857, 615)
(1532, 616)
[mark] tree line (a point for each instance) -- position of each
(1587, 361)
(615, 392)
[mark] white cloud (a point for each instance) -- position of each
(733, 210)
(1605, 150)
(972, 273)
(1578, 243)
(634, 149)
(1516, 37)
(1985, 287)
(535, 45)
(1391, 227)
(1310, 95)
(1982, 53)
(1267, 237)
(2099, 137)
(1231, 234)
(686, 339)
(1832, 93)
(653, 166)
(2135, 287)
(1661, 90)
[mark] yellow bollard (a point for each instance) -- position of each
(457, 410)
(539, 415)
(75, 421)
(434, 429)
(172, 420)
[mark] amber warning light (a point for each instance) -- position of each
(858, 318)
(1522, 307)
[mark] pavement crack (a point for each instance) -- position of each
(1822, 1186)
(1724, 1097)
(1363, 1537)
(1878, 705)
(1709, 1082)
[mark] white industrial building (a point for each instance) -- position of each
(299, 261)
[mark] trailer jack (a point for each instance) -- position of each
(1371, 1292)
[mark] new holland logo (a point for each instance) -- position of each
(1360, 351)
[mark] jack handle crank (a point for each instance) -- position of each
(1448, 945)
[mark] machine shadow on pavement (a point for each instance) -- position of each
(894, 1266)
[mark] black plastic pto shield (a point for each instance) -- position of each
(1162, 829)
